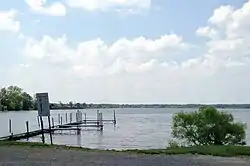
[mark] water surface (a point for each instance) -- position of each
(136, 128)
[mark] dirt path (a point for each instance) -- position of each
(26, 156)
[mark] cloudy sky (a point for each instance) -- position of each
(128, 51)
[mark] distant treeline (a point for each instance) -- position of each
(14, 98)
(71, 105)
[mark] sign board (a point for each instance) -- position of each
(43, 104)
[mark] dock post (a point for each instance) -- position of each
(27, 129)
(85, 117)
(98, 119)
(76, 117)
(114, 118)
(10, 126)
(70, 117)
(101, 122)
(38, 122)
(53, 124)
(97, 115)
(41, 120)
(66, 117)
(59, 119)
(81, 116)
(77, 121)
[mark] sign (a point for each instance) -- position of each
(43, 104)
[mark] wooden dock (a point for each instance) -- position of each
(78, 125)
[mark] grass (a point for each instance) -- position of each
(225, 151)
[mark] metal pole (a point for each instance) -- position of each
(27, 128)
(50, 134)
(114, 118)
(81, 116)
(77, 122)
(53, 124)
(97, 114)
(101, 122)
(59, 118)
(10, 126)
(70, 117)
(76, 116)
(98, 119)
(85, 118)
(41, 120)
(66, 117)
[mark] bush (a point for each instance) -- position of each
(207, 126)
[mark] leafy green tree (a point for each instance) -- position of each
(27, 101)
(14, 98)
(208, 126)
(34, 104)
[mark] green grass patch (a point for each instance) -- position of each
(225, 151)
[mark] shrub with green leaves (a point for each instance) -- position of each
(208, 126)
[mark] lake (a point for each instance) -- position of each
(136, 128)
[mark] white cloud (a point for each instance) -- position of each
(141, 70)
(221, 15)
(40, 6)
(97, 58)
(118, 5)
(8, 22)
(207, 32)
(233, 26)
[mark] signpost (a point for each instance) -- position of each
(43, 110)
(43, 104)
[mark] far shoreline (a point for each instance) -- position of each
(143, 106)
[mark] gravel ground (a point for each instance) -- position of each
(26, 156)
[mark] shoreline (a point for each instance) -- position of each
(221, 151)
(27, 155)
(62, 109)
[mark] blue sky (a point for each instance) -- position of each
(181, 17)
(79, 25)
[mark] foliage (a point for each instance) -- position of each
(70, 104)
(207, 126)
(173, 144)
(14, 98)
(225, 151)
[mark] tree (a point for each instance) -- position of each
(78, 105)
(70, 104)
(60, 104)
(208, 126)
(27, 101)
(84, 105)
(14, 98)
